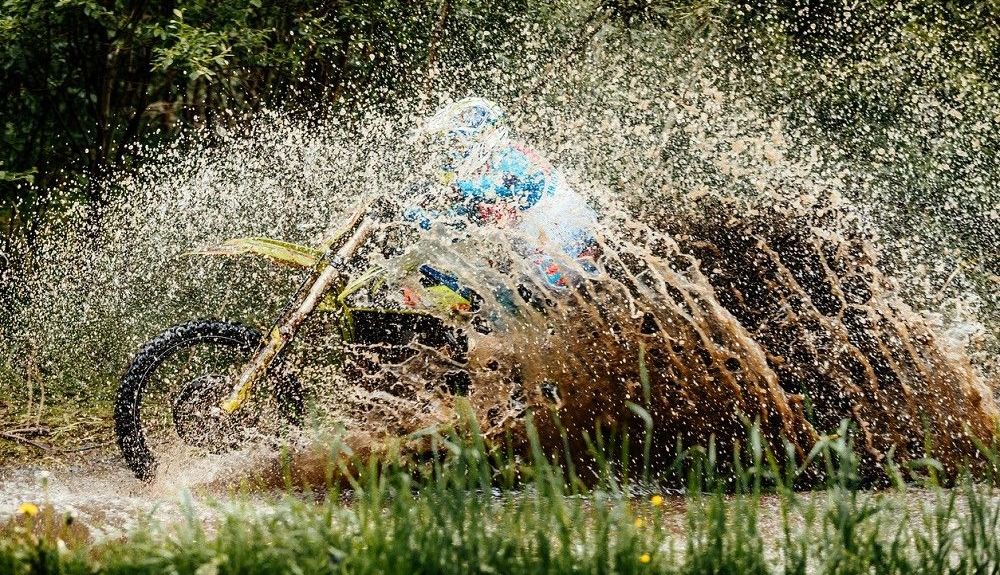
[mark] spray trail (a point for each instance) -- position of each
(732, 262)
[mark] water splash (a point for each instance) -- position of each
(732, 261)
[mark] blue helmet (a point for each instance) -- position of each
(466, 119)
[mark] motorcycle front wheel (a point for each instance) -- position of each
(169, 396)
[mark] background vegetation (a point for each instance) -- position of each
(83, 81)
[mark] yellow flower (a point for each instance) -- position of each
(29, 509)
(639, 522)
(645, 558)
(656, 500)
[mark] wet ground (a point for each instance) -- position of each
(100, 494)
(105, 499)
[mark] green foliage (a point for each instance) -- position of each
(82, 81)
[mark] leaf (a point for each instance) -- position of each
(647, 419)
(27, 176)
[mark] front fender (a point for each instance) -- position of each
(278, 251)
(292, 254)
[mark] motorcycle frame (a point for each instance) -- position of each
(327, 274)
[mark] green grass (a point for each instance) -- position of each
(459, 514)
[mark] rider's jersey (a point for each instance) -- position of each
(518, 189)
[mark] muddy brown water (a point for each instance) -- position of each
(735, 319)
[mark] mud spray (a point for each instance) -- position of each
(737, 270)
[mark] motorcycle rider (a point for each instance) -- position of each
(493, 180)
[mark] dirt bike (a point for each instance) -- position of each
(214, 384)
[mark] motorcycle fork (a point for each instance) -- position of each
(306, 299)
